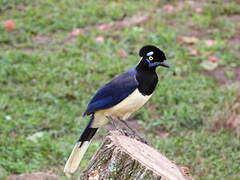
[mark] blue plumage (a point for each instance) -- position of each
(113, 92)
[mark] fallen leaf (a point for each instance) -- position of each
(168, 7)
(181, 5)
(199, 10)
(77, 32)
(70, 97)
(210, 42)
(195, 52)
(99, 39)
(187, 39)
(213, 59)
(122, 53)
(209, 53)
(34, 137)
(208, 65)
(103, 27)
(8, 118)
(9, 25)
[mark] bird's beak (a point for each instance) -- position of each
(164, 64)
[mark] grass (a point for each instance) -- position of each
(46, 83)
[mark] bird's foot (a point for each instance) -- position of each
(139, 138)
(124, 132)
(134, 136)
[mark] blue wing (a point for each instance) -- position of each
(113, 92)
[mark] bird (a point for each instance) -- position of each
(118, 99)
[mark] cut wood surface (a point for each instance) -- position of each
(124, 158)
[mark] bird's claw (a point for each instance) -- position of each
(123, 132)
(141, 139)
(133, 136)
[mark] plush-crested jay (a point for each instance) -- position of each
(119, 98)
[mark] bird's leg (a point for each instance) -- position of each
(126, 124)
(134, 133)
(113, 120)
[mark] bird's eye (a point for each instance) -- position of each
(150, 58)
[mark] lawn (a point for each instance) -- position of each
(55, 54)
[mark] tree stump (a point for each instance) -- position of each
(124, 158)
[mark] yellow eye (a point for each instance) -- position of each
(150, 58)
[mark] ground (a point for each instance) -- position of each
(54, 55)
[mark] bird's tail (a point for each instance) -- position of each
(80, 148)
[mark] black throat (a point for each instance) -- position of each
(146, 77)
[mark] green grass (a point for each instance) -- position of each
(214, 156)
(45, 87)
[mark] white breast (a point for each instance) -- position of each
(128, 106)
(122, 110)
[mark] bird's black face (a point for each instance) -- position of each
(153, 57)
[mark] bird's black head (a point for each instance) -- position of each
(152, 57)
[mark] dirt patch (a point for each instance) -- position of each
(229, 119)
(234, 18)
(235, 40)
(125, 22)
(225, 75)
(33, 176)
(131, 21)
(161, 133)
(41, 40)
(198, 32)
(137, 19)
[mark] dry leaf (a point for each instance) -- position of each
(9, 25)
(122, 53)
(8, 118)
(208, 65)
(77, 32)
(213, 59)
(209, 53)
(103, 27)
(187, 39)
(199, 10)
(168, 7)
(99, 39)
(210, 42)
(195, 52)
(34, 137)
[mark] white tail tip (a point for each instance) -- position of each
(75, 157)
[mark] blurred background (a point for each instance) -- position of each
(55, 54)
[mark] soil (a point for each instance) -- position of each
(235, 40)
(220, 74)
(33, 176)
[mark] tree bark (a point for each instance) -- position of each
(124, 158)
